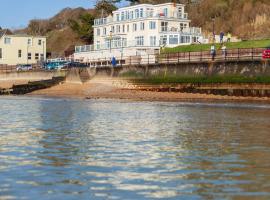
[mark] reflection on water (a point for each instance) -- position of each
(72, 149)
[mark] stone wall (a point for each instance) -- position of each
(245, 68)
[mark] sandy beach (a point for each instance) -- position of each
(99, 88)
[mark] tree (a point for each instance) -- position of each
(105, 7)
(83, 27)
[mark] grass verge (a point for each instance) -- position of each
(231, 45)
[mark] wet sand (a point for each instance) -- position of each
(118, 89)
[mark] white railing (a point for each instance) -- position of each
(177, 15)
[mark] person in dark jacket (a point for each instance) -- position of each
(114, 62)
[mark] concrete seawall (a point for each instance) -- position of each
(31, 75)
(246, 68)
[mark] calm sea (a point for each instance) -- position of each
(109, 149)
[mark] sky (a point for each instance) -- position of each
(17, 13)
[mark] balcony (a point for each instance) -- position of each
(190, 30)
(176, 15)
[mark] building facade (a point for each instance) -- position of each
(140, 30)
(21, 49)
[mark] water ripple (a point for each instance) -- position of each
(70, 149)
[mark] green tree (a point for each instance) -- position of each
(83, 27)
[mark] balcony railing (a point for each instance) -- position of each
(103, 21)
(190, 30)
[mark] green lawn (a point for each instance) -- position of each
(232, 45)
(157, 80)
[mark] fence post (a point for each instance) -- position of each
(189, 56)
(238, 53)
(148, 59)
(178, 57)
(201, 55)
(129, 60)
(252, 53)
(167, 58)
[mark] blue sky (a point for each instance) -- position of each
(17, 13)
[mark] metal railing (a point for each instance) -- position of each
(252, 54)
(14, 68)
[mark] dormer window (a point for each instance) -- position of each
(122, 16)
(117, 17)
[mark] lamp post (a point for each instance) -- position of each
(110, 41)
(43, 50)
(214, 35)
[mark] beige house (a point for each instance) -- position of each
(21, 49)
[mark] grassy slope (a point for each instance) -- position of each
(231, 45)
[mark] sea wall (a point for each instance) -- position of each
(245, 68)
(31, 75)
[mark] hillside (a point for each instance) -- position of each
(246, 19)
(60, 36)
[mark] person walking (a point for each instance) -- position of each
(114, 62)
(224, 51)
(213, 51)
(221, 36)
(229, 37)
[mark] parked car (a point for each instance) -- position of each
(24, 67)
(266, 53)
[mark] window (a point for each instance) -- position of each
(98, 45)
(104, 31)
(142, 26)
(98, 31)
(152, 25)
(117, 17)
(134, 27)
(163, 39)
(131, 15)
(123, 28)
(112, 29)
(39, 42)
(141, 12)
(118, 28)
(185, 39)
(19, 53)
(29, 56)
(139, 41)
(124, 42)
(128, 28)
(122, 16)
(164, 26)
(153, 40)
(181, 26)
(127, 15)
(36, 56)
(1, 55)
(180, 12)
(29, 41)
(165, 11)
(41, 56)
(137, 14)
(7, 40)
(173, 39)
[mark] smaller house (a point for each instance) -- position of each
(21, 49)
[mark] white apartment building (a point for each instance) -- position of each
(21, 49)
(139, 30)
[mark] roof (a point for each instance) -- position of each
(4, 32)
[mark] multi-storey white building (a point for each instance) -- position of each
(139, 30)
